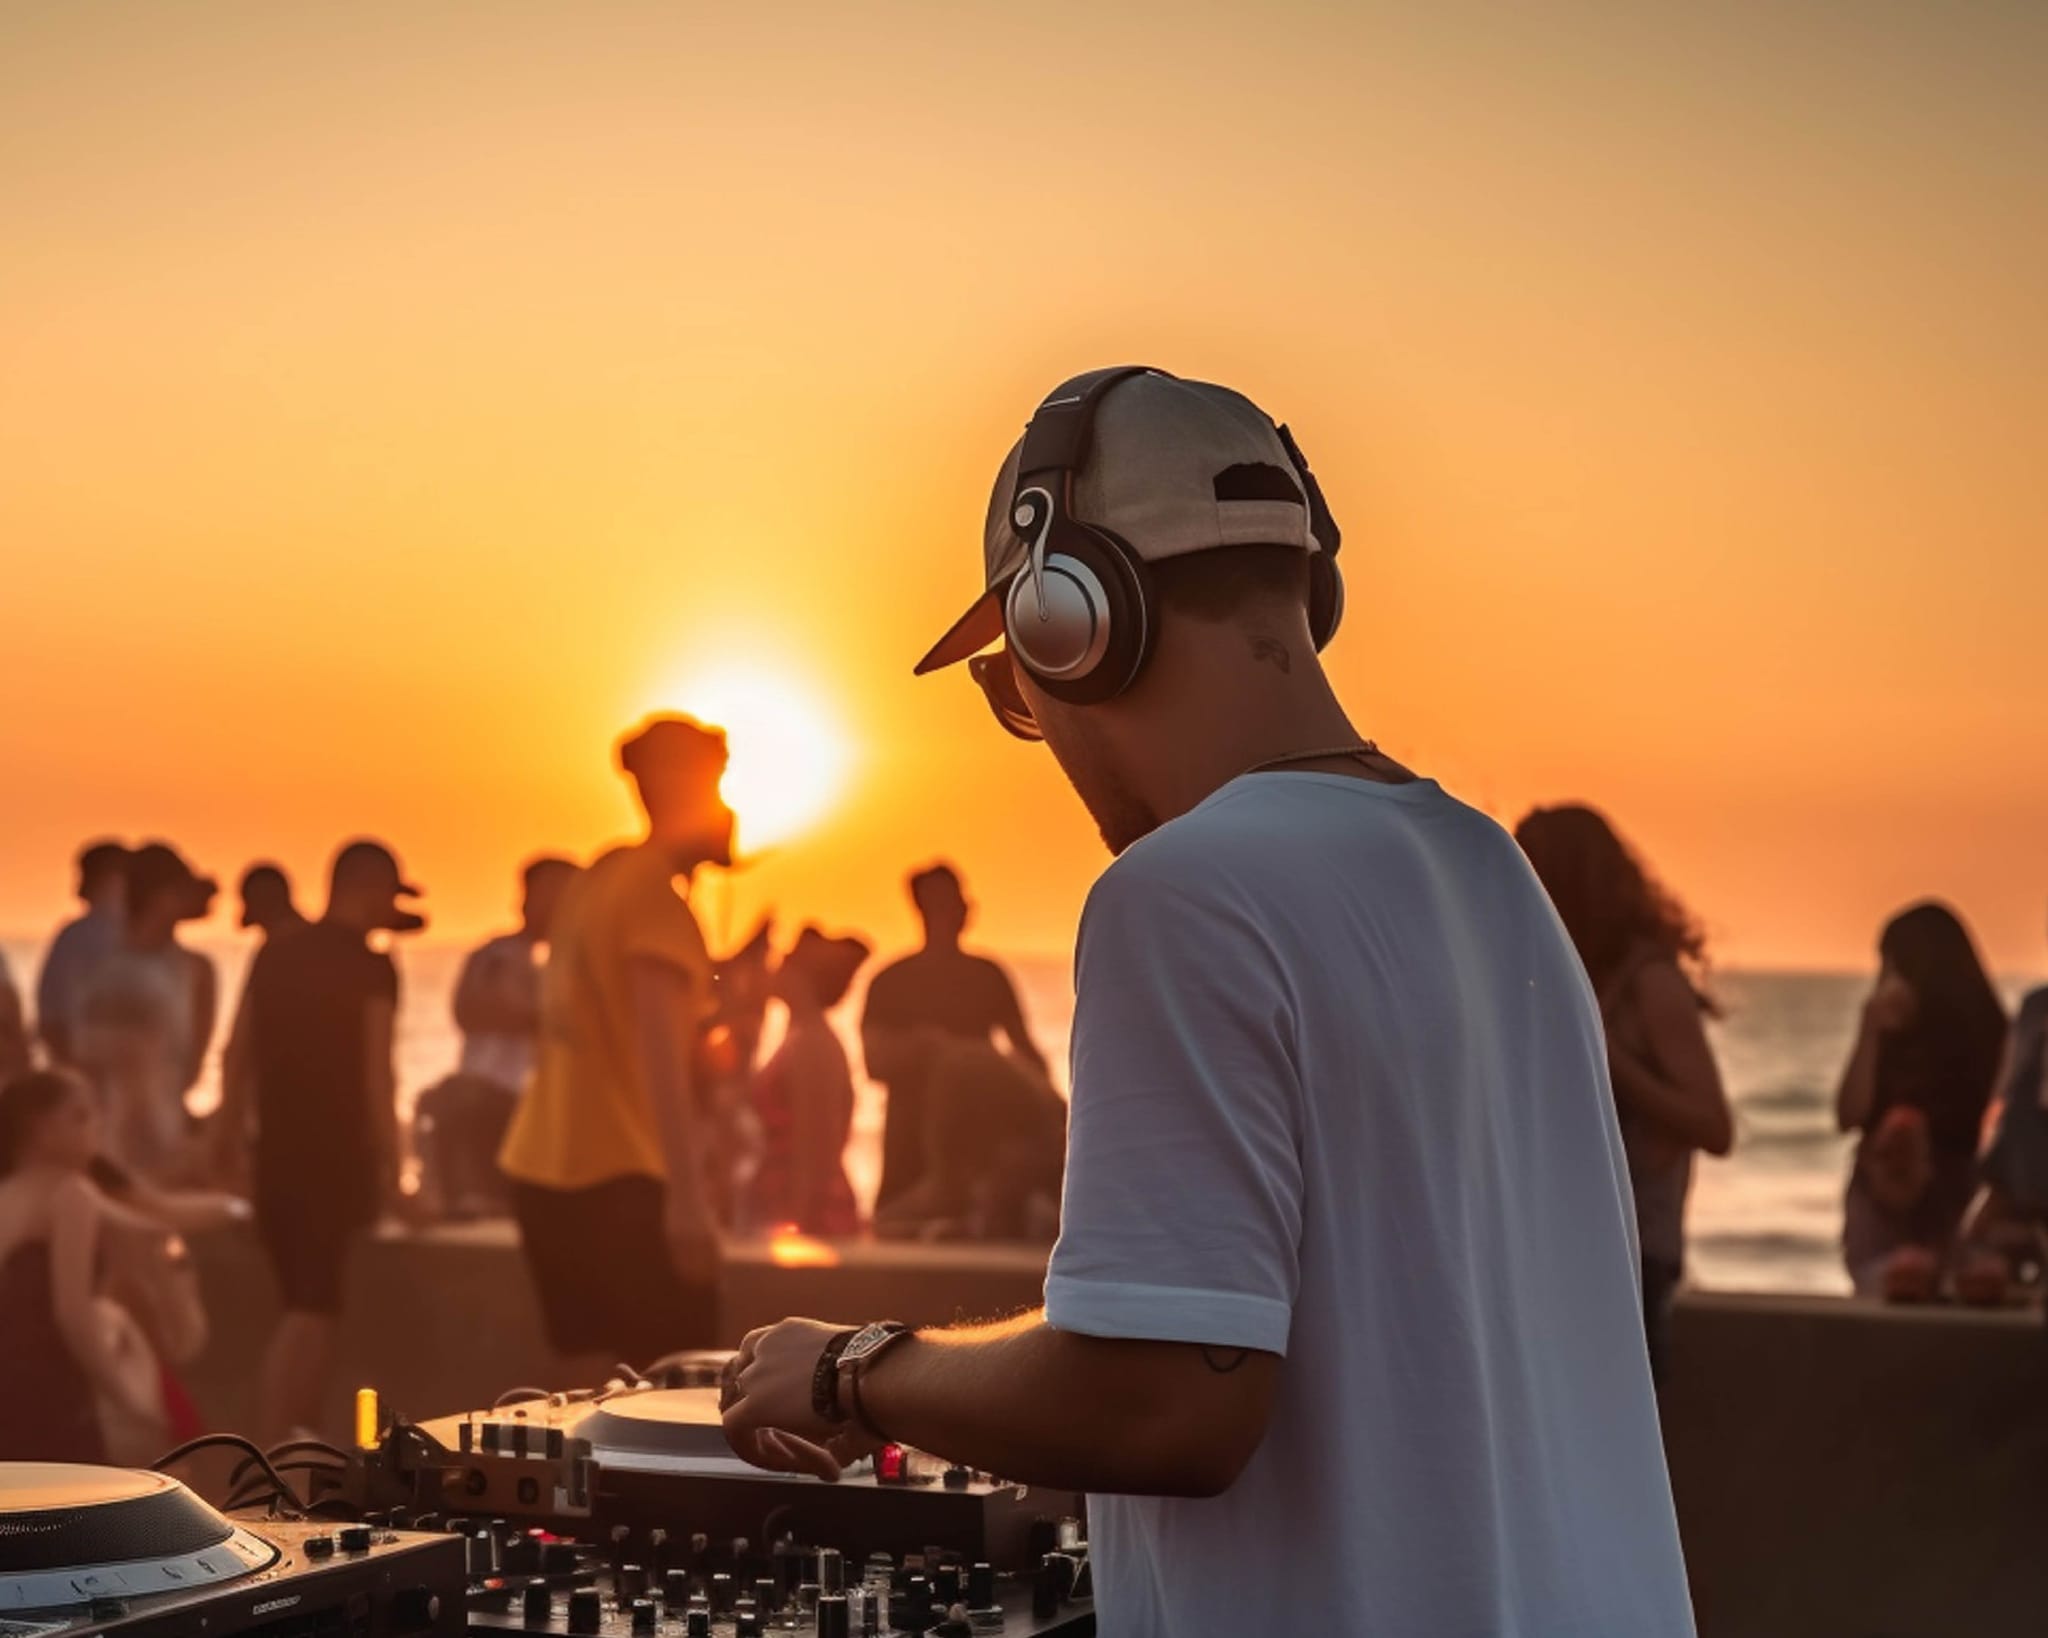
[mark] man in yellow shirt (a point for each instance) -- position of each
(604, 1151)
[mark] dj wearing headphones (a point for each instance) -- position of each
(1342, 1329)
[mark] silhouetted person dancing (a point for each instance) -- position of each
(605, 1151)
(1342, 1328)
(314, 1065)
(80, 944)
(963, 995)
(266, 894)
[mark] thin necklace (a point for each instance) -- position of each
(1364, 748)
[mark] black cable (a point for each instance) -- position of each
(515, 1395)
(291, 1447)
(232, 1441)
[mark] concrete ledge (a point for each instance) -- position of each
(1842, 1470)
(1845, 1470)
(443, 1319)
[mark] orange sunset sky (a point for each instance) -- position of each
(397, 400)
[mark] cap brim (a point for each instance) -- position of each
(404, 921)
(974, 631)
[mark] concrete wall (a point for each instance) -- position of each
(1841, 1470)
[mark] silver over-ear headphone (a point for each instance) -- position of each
(1078, 615)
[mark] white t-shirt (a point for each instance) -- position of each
(1340, 1093)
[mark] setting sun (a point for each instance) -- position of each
(789, 759)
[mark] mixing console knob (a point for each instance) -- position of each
(831, 1570)
(586, 1610)
(537, 1603)
(699, 1624)
(981, 1587)
(483, 1553)
(721, 1594)
(414, 1609)
(746, 1623)
(657, 1549)
(318, 1546)
(632, 1583)
(521, 1555)
(946, 1585)
(643, 1615)
(832, 1619)
(675, 1589)
(354, 1538)
(766, 1599)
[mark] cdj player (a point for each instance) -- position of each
(87, 1550)
(624, 1514)
(644, 1458)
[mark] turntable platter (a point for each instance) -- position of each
(69, 1535)
(662, 1422)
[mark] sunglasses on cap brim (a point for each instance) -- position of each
(997, 674)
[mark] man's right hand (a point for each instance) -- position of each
(694, 1244)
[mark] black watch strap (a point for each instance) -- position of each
(825, 1378)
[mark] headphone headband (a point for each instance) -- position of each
(1063, 426)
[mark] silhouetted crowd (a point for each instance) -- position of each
(612, 1090)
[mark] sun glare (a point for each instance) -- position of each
(788, 756)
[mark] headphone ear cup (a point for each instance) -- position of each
(1325, 598)
(1099, 630)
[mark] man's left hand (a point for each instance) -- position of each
(769, 1418)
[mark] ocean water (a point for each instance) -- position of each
(1767, 1218)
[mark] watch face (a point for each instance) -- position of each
(867, 1340)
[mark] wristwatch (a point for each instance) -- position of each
(845, 1353)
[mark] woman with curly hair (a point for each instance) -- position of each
(1646, 958)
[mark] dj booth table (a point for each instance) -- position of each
(1840, 1468)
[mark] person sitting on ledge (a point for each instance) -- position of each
(1916, 1086)
(995, 1141)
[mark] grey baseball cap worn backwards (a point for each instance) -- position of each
(1175, 467)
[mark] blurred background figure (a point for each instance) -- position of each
(145, 1017)
(266, 894)
(80, 944)
(14, 1042)
(1916, 1086)
(56, 1361)
(267, 909)
(497, 998)
(1646, 959)
(459, 1123)
(804, 1094)
(2006, 1226)
(744, 984)
(994, 1145)
(313, 1072)
(100, 1301)
(966, 996)
(607, 1149)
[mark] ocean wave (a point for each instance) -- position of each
(1785, 1100)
